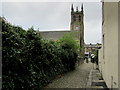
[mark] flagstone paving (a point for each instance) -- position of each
(74, 79)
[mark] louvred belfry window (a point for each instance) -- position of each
(74, 18)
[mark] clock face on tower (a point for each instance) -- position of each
(77, 28)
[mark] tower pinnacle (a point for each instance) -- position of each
(72, 9)
(82, 7)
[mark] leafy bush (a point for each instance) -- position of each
(70, 48)
(29, 61)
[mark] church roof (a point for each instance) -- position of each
(53, 35)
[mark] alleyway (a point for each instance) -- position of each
(74, 79)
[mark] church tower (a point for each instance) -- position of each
(77, 26)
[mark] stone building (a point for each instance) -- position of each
(109, 58)
(76, 26)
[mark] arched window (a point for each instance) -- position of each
(79, 18)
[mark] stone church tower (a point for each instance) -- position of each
(77, 26)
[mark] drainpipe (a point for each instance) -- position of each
(111, 82)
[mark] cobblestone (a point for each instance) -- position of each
(74, 79)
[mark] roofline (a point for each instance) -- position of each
(54, 31)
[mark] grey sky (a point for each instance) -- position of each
(54, 16)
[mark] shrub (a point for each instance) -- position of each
(31, 62)
(70, 48)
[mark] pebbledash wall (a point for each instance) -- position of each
(108, 54)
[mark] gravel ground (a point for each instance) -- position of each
(74, 79)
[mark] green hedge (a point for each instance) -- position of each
(29, 61)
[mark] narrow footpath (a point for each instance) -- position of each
(74, 79)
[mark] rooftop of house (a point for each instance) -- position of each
(93, 45)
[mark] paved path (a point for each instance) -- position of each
(96, 80)
(74, 79)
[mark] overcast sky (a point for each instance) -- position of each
(54, 16)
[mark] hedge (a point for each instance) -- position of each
(29, 61)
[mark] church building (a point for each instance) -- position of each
(76, 26)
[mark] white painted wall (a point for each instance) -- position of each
(108, 55)
(119, 44)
